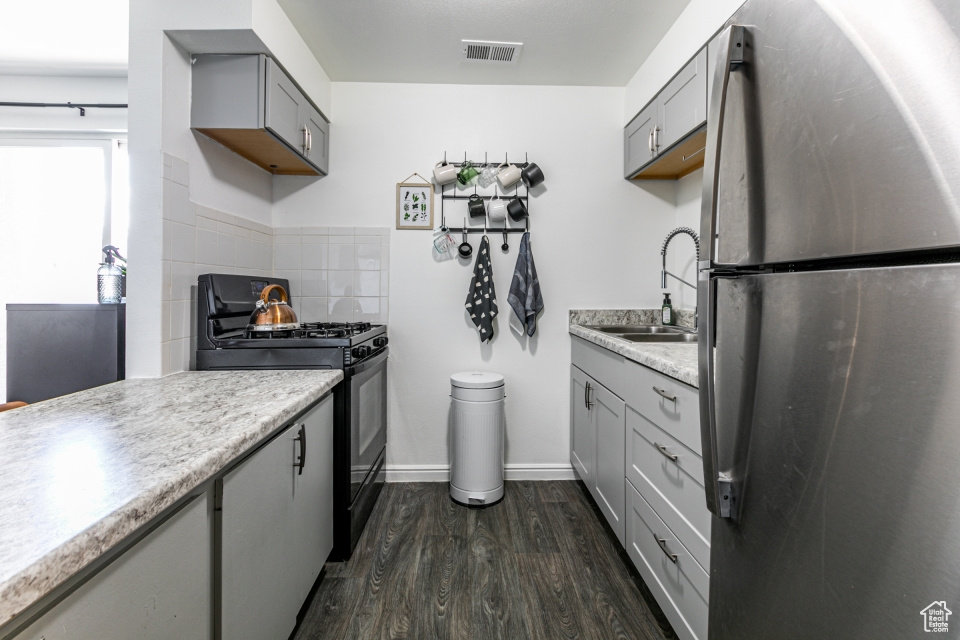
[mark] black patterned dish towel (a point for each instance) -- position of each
(525, 298)
(482, 298)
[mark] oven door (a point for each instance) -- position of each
(367, 385)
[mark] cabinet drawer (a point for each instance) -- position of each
(679, 417)
(603, 365)
(673, 487)
(682, 587)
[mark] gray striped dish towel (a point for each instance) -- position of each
(482, 298)
(525, 298)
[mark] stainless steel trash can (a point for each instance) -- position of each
(476, 469)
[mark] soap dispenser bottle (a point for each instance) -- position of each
(666, 312)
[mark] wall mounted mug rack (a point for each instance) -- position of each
(452, 195)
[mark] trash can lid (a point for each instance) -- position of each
(476, 380)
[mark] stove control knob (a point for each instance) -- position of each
(360, 352)
(380, 342)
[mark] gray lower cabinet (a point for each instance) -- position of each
(635, 443)
(158, 589)
(247, 103)
(583, 432)
(276, 525)
(597, 425)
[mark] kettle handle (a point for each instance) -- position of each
(265, 294)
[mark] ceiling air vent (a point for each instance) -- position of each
(490, 52)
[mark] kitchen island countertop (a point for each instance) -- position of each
(677, 360)
(80, 473)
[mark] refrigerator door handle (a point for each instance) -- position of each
(718, 487)
(732, 52)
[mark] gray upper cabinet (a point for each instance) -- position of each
(286, 108)
(665, 140)
(682, 104)
(318, 139)
(249, 104)
(638, 147)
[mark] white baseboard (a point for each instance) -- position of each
(441, 472)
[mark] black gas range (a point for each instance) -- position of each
(225, 303)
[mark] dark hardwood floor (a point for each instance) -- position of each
(537, 565)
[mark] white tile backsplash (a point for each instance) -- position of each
(340, 257)
(198, 239)
(368, 257)
(340, 283)
(337, 274)
(366, 283)
(339, 266)
(313, 283)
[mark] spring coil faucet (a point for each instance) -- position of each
(663, 254)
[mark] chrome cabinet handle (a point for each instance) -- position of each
(663, 547)
(733, 55)
(666, 394)
(656, 138)
(650, 142)
(663, 449)
(302, 439)
(309, 141)
(303, 138)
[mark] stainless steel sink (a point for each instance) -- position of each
(646, 332)
(658, 337)
(635, 328)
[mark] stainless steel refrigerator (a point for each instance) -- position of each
(829, 298)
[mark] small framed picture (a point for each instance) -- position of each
(414, 205)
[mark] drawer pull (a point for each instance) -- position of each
(662, 449)
(663, 547)
(586, 394)
(666, 394)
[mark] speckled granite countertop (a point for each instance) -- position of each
(80, 473)
(673, 359)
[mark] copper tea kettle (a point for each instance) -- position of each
(273, 315)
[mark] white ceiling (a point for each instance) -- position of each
(64, 37)
(565, 42)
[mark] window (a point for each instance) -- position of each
(61, 201)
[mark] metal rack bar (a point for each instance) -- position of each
(453, 196)
(66, 105)
(487, 230)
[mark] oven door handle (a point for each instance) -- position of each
(354, 369)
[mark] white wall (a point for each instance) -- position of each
(592, 239)
(23, 120)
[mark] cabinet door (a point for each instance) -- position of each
(608, 416)
(682, 104)
(318, 149)
(158, 589)
(638, 147)
(582, 431)
(285, 107)
(259, 564)
(313, 495)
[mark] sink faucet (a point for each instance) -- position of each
(663, 254)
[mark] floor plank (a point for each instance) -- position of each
(537, 565)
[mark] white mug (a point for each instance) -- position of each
(508, 175)
(498, 209)
(444, 173)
